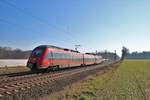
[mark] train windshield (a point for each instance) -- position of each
(37, 52)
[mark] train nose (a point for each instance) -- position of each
(32, 62)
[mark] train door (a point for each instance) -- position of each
(95, 59)
(83, 59)
(51, 58)
(72, 60)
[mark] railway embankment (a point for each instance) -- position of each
(30, 87)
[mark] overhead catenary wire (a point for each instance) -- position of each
(21, 27)
(39, 19)
(15, 25)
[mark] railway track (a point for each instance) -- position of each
(10, 86)
(22, 75)
(10, 78)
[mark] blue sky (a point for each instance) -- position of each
(94, 24)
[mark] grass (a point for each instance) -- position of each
(15, 69)
(130, 81)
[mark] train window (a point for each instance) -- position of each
(80, 59)
(65, 56)
(77, 59)
(50, 56)
(37, 52)
(61, 56)
(56, 56)
(89, 59)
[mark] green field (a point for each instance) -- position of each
(130, 81)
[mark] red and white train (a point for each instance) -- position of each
(50, 57)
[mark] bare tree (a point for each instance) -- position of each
(125, 51)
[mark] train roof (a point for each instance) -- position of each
(90, 53)
(55, 47)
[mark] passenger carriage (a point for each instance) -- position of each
(49, 57)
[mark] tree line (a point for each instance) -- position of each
(138, 55)
(9, 53)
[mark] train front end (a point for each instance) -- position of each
(36, 60)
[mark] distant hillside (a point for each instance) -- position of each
(9, 53)
(139, 55)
